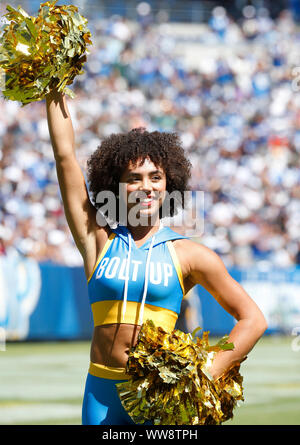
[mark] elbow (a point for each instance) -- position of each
(261, 324)
(63, 156)
(265, 325)
(257, 323)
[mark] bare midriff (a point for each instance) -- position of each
(111, 344)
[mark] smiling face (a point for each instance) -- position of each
(144, 190)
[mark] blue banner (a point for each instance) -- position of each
(43, 301)
(275, 291)
(63, 310)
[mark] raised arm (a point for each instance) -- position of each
(79, 211)
(207, 269)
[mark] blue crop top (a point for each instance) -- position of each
(131, 284)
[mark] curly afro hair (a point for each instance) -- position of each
(106, 165)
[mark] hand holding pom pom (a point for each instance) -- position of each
(169, 382)
(40, 53)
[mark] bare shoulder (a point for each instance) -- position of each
(101, 227)
(196, 257)
(192, 248)
(101, 236)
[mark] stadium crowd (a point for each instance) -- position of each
(238, 117)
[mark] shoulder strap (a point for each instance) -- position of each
(176, 264)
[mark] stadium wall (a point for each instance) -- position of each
(50, 302)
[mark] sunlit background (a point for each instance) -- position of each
(226, 77)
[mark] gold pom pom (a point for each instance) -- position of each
(169, 383)
(43, 52)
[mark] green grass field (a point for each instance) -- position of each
(43, 383)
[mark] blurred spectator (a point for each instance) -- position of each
(237, 115)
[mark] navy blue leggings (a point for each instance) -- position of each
(101, 403)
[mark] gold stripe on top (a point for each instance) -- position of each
(103, 252)
(107, 372)
(110, 311)
(176, 264)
